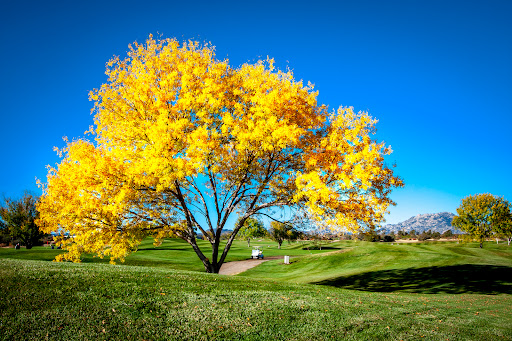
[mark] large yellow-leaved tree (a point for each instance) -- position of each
(183, 141)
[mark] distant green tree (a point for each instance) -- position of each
(503, 229)
(225, 235)
(447, 234)
(5, 237)
(369, 236)
(506, 232)
(18, 217)
(482, 216)
(423, 236)
(252, 228)
(281, 232)
(388, 238)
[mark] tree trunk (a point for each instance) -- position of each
(248, 242)
(481, 245)
(210, 266)
(28, 244)
(213, 268)
(279, 245)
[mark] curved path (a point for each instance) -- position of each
(236, 267)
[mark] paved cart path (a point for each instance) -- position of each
(236, 267)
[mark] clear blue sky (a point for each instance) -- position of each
(436, 74)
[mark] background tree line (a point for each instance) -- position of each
(254, 228)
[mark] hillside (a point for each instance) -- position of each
(436, 222)
(363, 291)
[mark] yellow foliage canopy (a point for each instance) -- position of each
(180, 134)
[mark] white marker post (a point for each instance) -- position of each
(286, 259)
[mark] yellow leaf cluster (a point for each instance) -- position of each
(95, 207)
(345, 181)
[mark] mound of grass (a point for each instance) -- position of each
(421, 268)
(63, 301)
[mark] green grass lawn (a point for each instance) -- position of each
(418, 267)
(174, 253)
(363, 291)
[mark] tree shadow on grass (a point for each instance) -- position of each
(456, 279)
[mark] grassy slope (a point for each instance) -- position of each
(425, 267)
(62, 301)
(394, 299)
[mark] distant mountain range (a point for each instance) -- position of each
(436, 222)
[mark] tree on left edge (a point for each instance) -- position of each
(18, 219)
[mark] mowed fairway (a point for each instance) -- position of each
(430, 267)
(407, 292)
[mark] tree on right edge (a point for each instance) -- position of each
(482, 216)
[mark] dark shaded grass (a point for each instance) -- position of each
(456, 279)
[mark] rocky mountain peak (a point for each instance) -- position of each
(436, 222)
